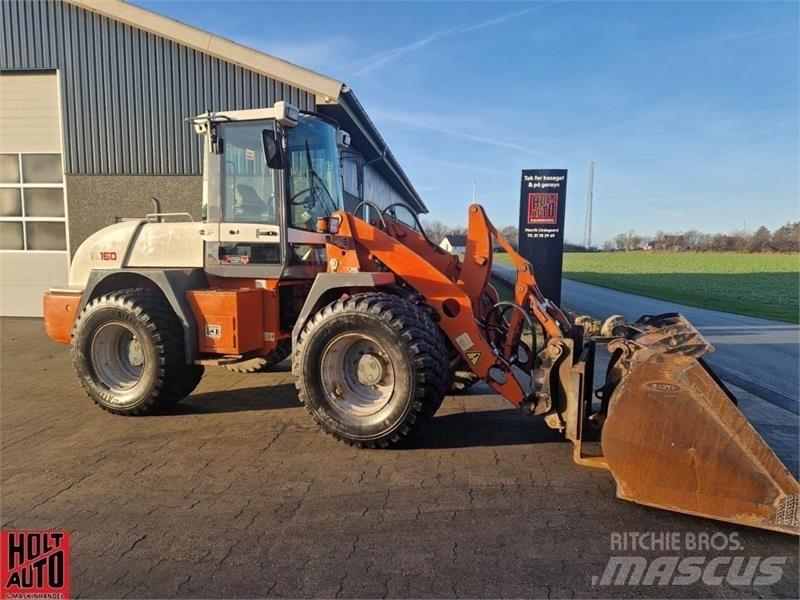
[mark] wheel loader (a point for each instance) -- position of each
(377, 319)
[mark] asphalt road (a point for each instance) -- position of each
(235, 493)
(758, 355)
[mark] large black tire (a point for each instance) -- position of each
(128, 353)
(409, 380)
(264, 364)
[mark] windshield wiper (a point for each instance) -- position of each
(315, 177)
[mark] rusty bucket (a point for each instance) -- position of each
(673, 437)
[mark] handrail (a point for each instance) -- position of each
(377, 208)
(155, 217)
(413, 216)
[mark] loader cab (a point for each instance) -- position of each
(269, 175)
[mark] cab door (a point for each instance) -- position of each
(249, 228)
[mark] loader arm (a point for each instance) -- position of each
(471, 275)
(473, 272)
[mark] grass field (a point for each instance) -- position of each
(761, 285)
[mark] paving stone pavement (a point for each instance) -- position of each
(235, 493)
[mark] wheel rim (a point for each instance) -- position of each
(117, 357)
(357, 374)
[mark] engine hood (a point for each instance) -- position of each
(105, 249)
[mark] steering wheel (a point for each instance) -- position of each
(302, 202)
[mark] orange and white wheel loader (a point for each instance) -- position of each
(376, 318)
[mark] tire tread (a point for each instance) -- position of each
(175, 378)
(425, 341)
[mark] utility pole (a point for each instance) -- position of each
(587, 227)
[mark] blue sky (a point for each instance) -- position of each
(689, 108)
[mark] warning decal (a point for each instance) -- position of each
(474, 357)
(464, 341)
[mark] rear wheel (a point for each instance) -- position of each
(128, 353)
(372, 369)
(264, 364)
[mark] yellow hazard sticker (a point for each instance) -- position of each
(474, 357)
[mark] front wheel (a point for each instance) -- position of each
(372, 369)
(128, 353)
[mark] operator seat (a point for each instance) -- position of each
(248, 203)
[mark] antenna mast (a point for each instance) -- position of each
(587, 228)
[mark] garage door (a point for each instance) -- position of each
(33, 221)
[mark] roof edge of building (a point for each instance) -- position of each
(324, 87)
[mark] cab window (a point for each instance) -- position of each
(314, 180)
(248, 185)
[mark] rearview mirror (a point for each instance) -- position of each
(273, 149)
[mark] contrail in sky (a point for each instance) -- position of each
(376, 61)
(483, 139)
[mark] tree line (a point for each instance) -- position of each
(784, 239)
(437, 231)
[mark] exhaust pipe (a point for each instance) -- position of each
(157, 209)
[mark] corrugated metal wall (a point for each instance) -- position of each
(378, 190)
(352, 167)
(126, 92)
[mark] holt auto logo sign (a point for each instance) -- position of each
(34, 565)
(543, 208)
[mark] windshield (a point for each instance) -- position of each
(314, 183)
